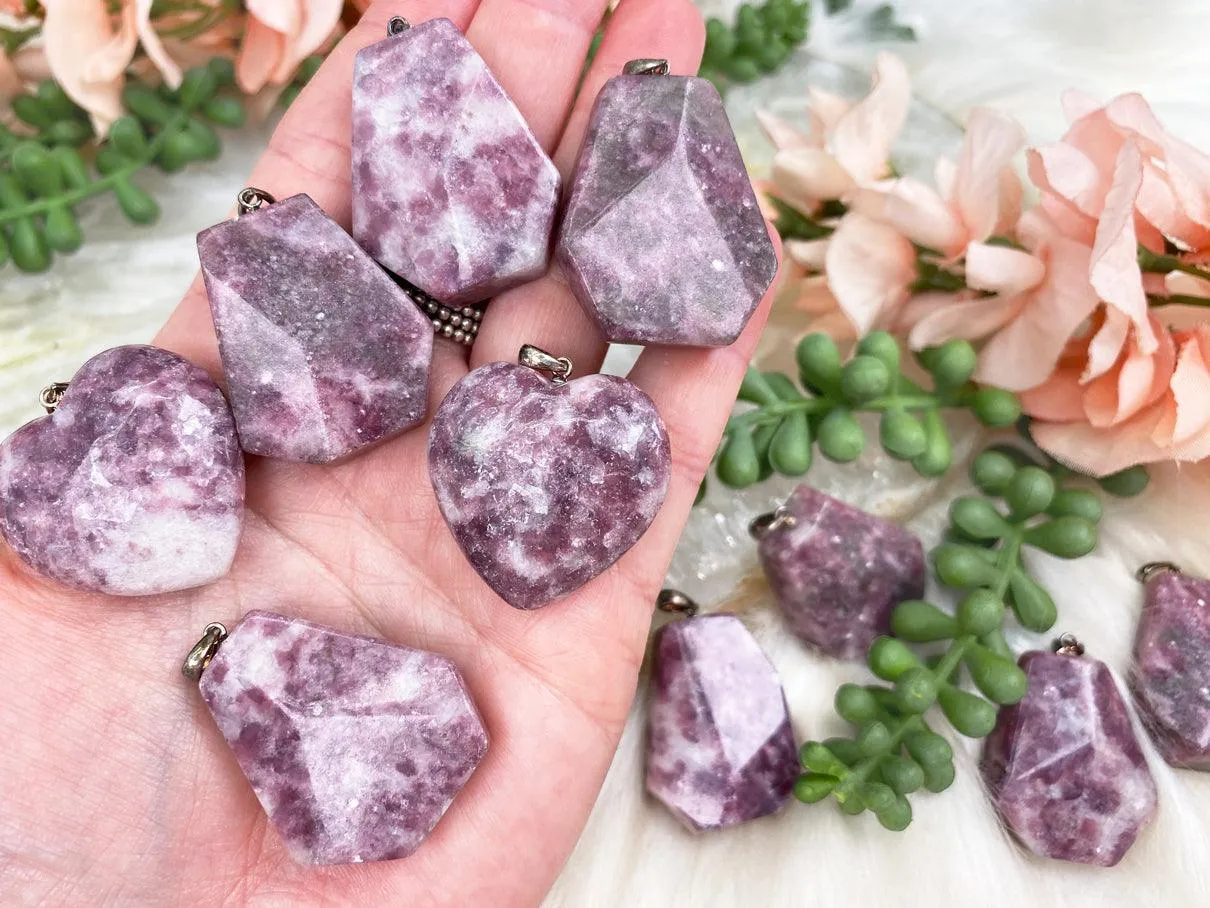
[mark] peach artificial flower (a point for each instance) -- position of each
(88, 50)
(281, 34)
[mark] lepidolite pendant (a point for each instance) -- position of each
(720, 749)
(1171, 676)
(1063, 766)
(354, 746)
(133, 485)
(324, 353)
(451, 189)
(545, 484)
(837, 572)
(663, 241)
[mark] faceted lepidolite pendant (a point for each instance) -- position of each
(1171, 677)
(1064, 767)
(134, 485)
(720, 749)
(546, 485)
(451, 190)
(354, 746)
(663, 241)
(839, 572)
(323, 353)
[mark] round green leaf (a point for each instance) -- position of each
(889, 658)
(738, 465)
(1032, 605)
(135, 203)
(995, 407)
(917, 690)
(855, 704)
(28, 246)
(970, 715)
(813, 787)
(36, 169)
(896, 816)
(790, 450)
(1126, 484)
(903, 775)
(929, 748)
(961, 566)
(952, 364)
(992, 471)
(1000, 679)
(127, 136)
(980, 612)
(817, 758)
(874, 739)
(1066, 537)
(840, 437)
(902, 434)
(819, 362)
(864, 378)
(1076, 503)
(882, 346)
(938, 454)
(978, 518)
(197, 87)
(227, 112)
(1029, 492)
(63, 230)
(918, 621)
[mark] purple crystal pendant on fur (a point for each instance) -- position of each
(546, 485)
(1064, 767)
(451, 189)
(839, 572)
(663, 241)
(1171, 677)
(354, 746)
(323, 353)
(720, 749)
(134, 485)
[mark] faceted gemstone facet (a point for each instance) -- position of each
(1064, 767)
(1171, 677)
(543, 485)
(663, 241)
(839, 572)
(134, 485)
(720, 748)
(323, 353)
(354, 746)
(451, 189)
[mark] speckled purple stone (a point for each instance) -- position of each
(354, 746)
(1171, 676)
(1063, 766)
(720, 749)
(839, 572)
(663, 241)
(324, 353)
(545, 486)
(134, 486)
(451, 189)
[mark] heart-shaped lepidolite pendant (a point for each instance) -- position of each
(545, 484)
(133, 485)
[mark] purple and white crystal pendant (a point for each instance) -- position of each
(1063, 766)
(324, 354)
(720, 747)
(662, 240)
(355, 747)
(134, 482)
(1171, 674)
(546, 482)
(451, 189)
(837, 572)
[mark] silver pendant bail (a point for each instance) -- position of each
(559, 367)
(646, 66)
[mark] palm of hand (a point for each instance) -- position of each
(116, 787)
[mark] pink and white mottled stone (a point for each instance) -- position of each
(451, 189)
(1171, 676)
(324, 354)
(839, 572)
(720, 749)
(543, 485)
(354, 746)
(134, 485)
(662, 240)
(1064, 767)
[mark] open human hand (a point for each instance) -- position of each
(115, 786)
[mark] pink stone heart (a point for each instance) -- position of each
(135, 485)
(543, 485)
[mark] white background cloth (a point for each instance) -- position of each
(1015, 56)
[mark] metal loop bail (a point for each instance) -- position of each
(397, 25)
(762, 526)
(559, 367)
(203, 651)
(1153, 569)
(674, 602)
(646, 66)
(52, 395)
(1068, 645)
(251, 199)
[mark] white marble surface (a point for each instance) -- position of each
(1015, 56)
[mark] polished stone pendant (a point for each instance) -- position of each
(354, 746)
(451, 189)
(133, 485)
(837, 572)
(663, 241)
(720, 749)
(544, 483)
(1063, 766)
(1171, 675)
(324, 354)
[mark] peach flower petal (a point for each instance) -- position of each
(826, 109)
(1191, 387)
(992, 141)
(862, 136)
(152, 45)
(1059, 399)
(869, 267)
(260, 55)
(966, 320)
(805, 176)
(781, 133)
(1001, 269)
(915, 211)
(87, 56)
(811, 254)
